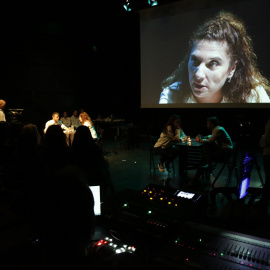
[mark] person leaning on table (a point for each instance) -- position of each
(215, 147)
(54, 121)
(164, 146)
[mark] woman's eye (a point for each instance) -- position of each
(213, 64)
(195, 62)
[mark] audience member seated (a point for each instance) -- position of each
(55, 121)
(10, 154)
(75, 121)
(87, 121)
(65, 119)
(216, 147)
(88, 156)
(61, 212)
(55, 150)
(28, 157)
(3, 139)
(164, 146)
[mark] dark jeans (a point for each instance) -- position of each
(166, 154)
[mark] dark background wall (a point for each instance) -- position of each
(57, 56)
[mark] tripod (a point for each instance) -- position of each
(247, 161)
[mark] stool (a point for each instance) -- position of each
(154, 163)
(231, 163)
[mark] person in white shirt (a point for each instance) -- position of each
(65, 119)
(55, 121)
(2, 114)
(86, 121)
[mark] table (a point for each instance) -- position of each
(110, 123)
(189, 155)
(70, 136)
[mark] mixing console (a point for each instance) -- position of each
(160, 223)
(158, 210)
(199, 246)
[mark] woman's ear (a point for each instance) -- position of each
(232, 70)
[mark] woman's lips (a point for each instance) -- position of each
(199, 87)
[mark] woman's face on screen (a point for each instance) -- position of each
(209, 68)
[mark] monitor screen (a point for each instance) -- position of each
(186, 195)
(243, 187)
(96, 194)
(203, 75)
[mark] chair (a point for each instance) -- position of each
(231, 164)
(154, 163)
(129, 136)
(154, 158)
(99, 140)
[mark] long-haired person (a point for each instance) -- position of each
(164, 147)
(2, 114)
(220, 67)
(86, 120)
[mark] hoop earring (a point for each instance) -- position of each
(229, 79)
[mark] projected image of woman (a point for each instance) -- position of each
(220, 67)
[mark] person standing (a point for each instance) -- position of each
(2, 113)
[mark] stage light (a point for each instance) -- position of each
(152, 3)
(127, 5)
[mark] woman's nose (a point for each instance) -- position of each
(200, 72)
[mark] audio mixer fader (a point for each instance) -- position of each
(199, 246)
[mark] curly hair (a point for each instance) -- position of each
(85, 117)
(225, 27)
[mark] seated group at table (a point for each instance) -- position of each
(72, 123)
(215, 147)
